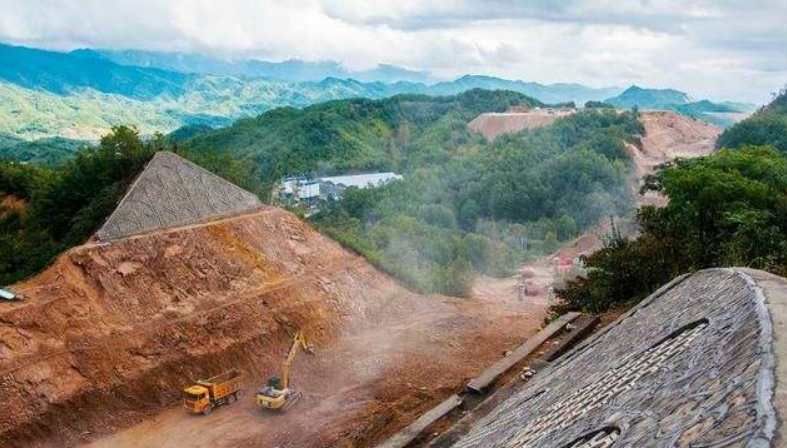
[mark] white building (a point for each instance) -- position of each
(303, 188)
(334, 186)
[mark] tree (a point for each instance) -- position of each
(726, 209)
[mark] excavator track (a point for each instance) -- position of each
(294, 398)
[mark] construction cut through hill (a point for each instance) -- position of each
(111, 332)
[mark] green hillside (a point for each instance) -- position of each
(725, 209)
(636, 96)
(468, 206)
(721, 114)
(63, 73)
(397, 133)
(45, 151)
(465, 205)
(767, 126)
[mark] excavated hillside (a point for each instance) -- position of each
(669, 136)
(492, 125)
(111, 332)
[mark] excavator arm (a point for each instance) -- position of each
(297, 343)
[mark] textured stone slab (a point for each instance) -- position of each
(691, 366)
(171, 191)
(582, 328)
(483, 381)
(407, 435)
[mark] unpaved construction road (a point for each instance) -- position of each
(364, 386)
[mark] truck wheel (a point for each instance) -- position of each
(207, 410)
(238, 394)
(231, 399)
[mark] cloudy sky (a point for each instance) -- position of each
(721, 49)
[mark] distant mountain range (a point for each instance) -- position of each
(292, 70)
(81, 94)
(62, 73)
(669, 99)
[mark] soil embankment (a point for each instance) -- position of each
(668, 136)
(108, 336)
(491, 125)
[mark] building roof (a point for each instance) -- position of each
(172, 191)
(362, 180)
(7, 295)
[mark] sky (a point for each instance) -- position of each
(719, 49)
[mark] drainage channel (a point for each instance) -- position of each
(448, 421)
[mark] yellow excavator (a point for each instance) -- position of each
(277, 394)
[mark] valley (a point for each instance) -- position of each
(329, 224)
(117, 320)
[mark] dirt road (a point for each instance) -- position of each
(367, 384)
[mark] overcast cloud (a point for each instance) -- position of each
(722, 49)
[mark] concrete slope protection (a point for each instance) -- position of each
(693, 365)
(173, 191)
(112, 331)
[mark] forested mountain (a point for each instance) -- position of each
(768, 126)
(723, 114)
(82, 94)
(548, 93)
(45, 151)
(292, 70)
(725, 209)
(465, 205)
(649, 98)
(395, 133)
(62, 73)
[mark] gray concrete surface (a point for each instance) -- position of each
(171, 191)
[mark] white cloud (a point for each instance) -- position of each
(734, 49)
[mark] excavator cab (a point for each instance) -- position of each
(277, 394)
(274, 381)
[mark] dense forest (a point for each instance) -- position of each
(768, 126)
(487, 206)
(726, 209)
(400, 133)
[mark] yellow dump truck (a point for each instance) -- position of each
(205, 395)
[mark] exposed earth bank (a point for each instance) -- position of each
(109, 335)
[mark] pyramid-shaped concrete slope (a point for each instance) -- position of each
(172, 191)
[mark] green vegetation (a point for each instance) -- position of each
(466, 206)
(721, 114)
(45, 151)
(45, 210)
(766, 127)
(598, 105)
(726, 209)
(399, 133)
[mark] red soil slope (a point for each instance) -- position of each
(111, 332)
(492, 125)
(669, 136)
